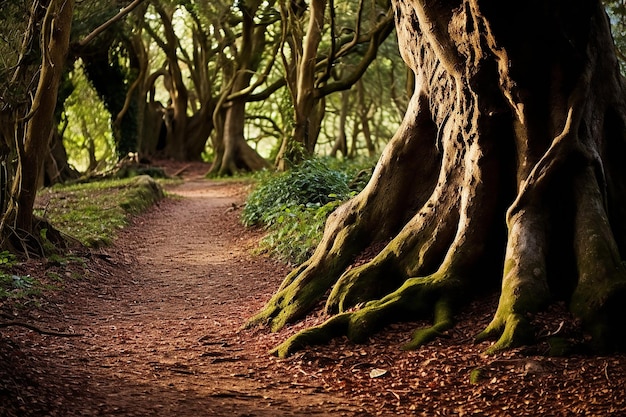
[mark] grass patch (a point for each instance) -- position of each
(93, 212)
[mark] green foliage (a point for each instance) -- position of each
(616, 10)
(12, 285)
(87, 136)
(94, 212)
(294, 205)
(311, 184)
(17, 286)
(7, 259)
(297, 231)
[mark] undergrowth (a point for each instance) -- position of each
(94, 212)
(294, 205)
(91, 213)
(14, 285)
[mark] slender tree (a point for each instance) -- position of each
(506, 171)
(309, 67)
(32, 131)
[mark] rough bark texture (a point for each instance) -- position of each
(507, 170)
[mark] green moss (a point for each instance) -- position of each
(94, 212)
(141, 193)
(413, 299)
(443, 320)
(517, 332)
(316, 335)
(477, 375)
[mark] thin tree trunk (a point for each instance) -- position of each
(341, 143)
(55, 35)
(305, 95)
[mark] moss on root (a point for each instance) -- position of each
(414, 299)
(443, 320)
(295, 298)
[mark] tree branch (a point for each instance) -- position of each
(110, 22)
(377, 37)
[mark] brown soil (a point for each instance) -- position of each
(160, 315)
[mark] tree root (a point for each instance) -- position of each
(443, 320)
(38, 329)
(297, 295)
(414, 299)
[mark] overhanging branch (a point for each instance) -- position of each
(103, 27)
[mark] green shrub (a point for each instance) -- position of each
(312, 184)
(294, 205)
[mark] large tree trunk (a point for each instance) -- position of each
(507, 169)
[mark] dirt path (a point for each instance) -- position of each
(163, 338)
(160, 318)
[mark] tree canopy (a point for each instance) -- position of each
(188, 81)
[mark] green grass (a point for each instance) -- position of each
(94, 212)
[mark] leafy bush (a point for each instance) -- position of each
(312, 184)
(297, 232)
(295, 205)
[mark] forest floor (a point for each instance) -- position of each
(160, 314)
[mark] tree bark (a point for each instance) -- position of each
(232, 153)
(341, 142)
(304, 102)
(506, 171)
(55, 35)
(56, 166)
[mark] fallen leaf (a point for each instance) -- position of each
(377, 373)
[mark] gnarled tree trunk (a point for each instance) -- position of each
(232, 152)
(507, 169)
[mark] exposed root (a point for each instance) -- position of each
(524, 285)
(362, 284)
(304, 287)
(599, 296)
(512, 330)
(416, 298)
(443, 321)
(415, 251)
(38, 329)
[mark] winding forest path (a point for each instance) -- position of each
(160, 318)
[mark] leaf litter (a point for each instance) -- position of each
(161, 312)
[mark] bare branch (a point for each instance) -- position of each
(110, 22)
